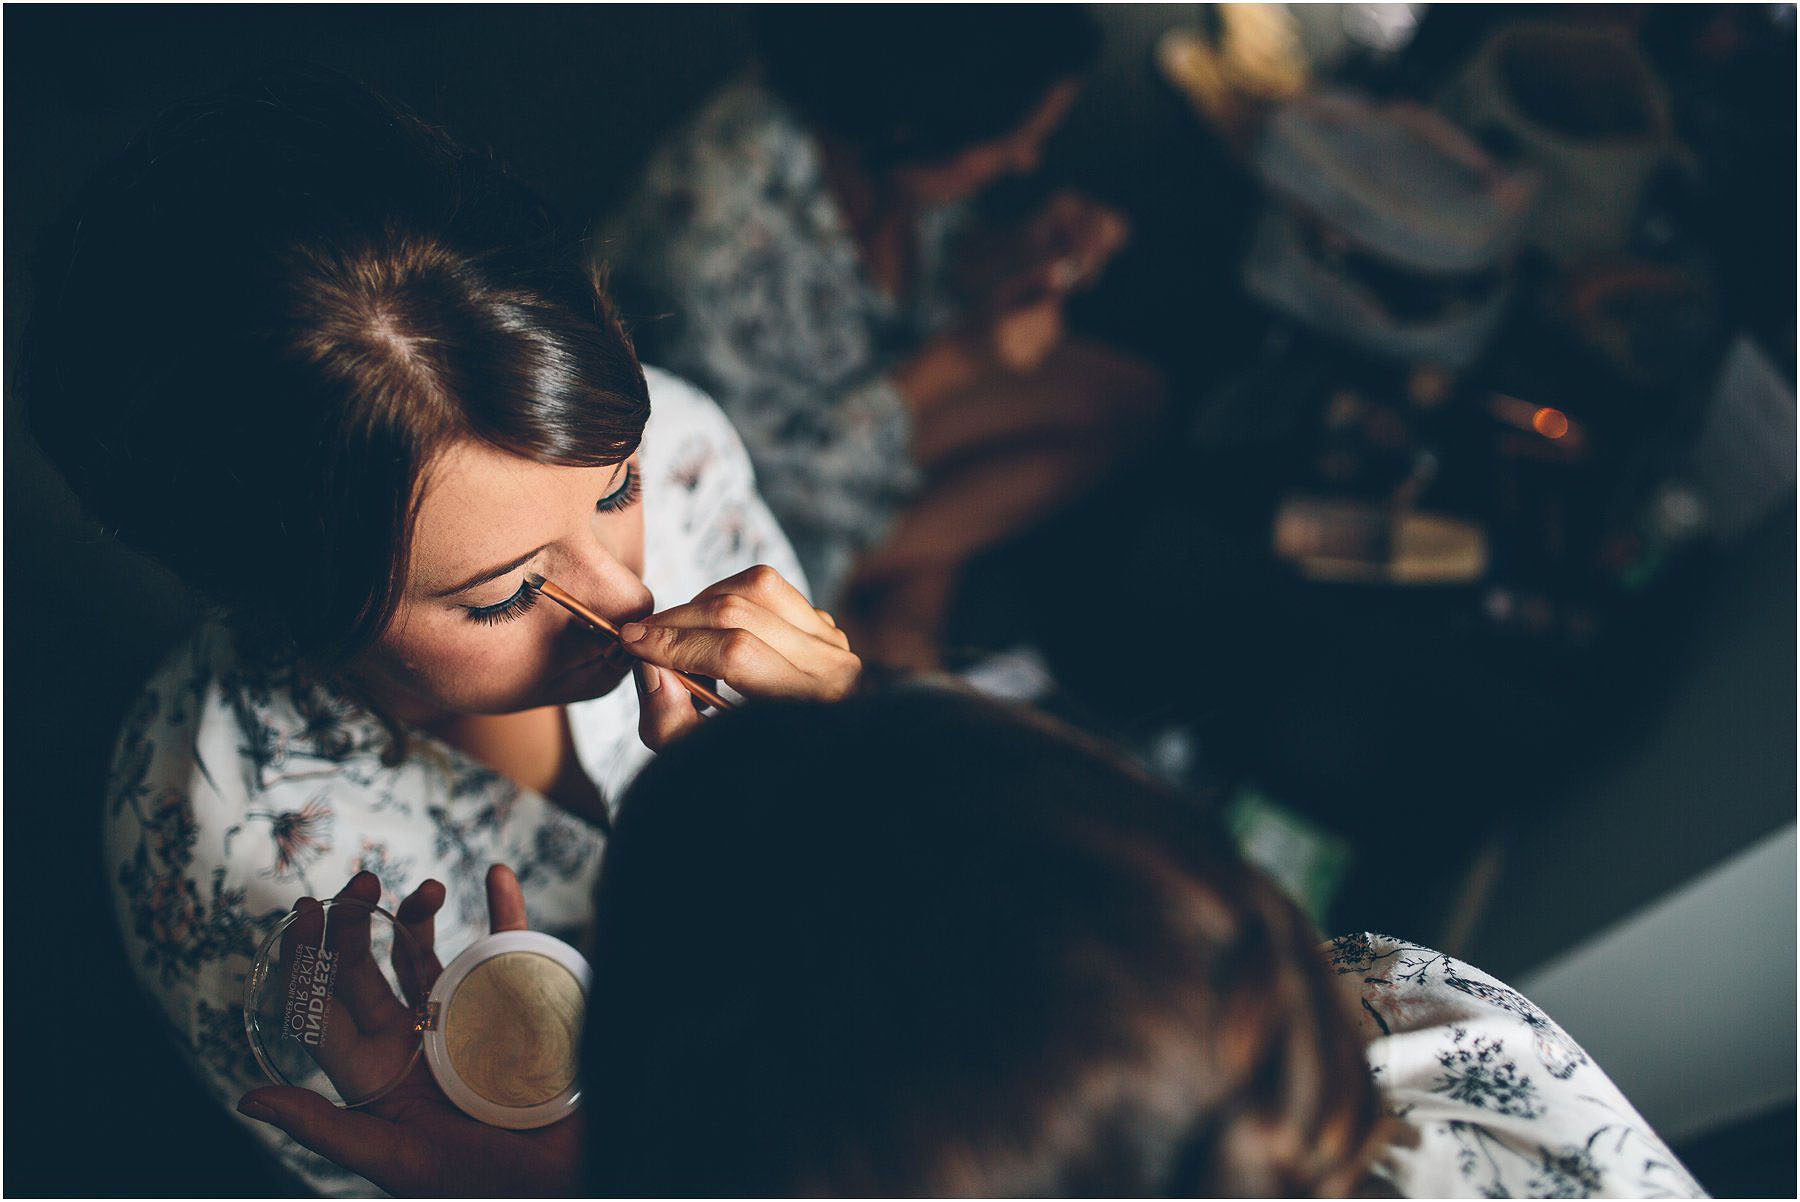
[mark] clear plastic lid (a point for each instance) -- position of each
(335, 1001)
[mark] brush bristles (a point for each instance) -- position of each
(534, 580)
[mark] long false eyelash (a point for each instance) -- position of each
(513, 607)
(623, 497)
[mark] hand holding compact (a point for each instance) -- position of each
(412, 1140)
(325, 1002)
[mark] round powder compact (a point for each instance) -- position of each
(503, 1029)
(500, 1028)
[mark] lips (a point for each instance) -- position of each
(592, 648)
(605, 657)
(597, 651)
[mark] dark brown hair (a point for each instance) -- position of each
(269, 316)
(921, 944)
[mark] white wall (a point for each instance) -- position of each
(1688, 1004)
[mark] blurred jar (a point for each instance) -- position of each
(1583, 106)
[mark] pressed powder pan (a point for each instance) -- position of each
(504, 1028)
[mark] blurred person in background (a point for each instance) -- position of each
(806, 250)
(918, 943)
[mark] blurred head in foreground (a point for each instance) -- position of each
(920, 943)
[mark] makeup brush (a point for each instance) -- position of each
(562, 597)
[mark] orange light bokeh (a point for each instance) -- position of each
(1551, 423)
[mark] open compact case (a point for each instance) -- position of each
(336, 1002)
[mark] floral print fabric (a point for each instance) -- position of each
(238, 786)
(1493, 1098)
(736, 269)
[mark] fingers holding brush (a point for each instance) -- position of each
(665, 712)
(820, 653)
(732, 654)
(754, 631)
(767, 589)
(744, 645)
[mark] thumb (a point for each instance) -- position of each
(360, 1142)
(664, 711)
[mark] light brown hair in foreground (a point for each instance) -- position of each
(917, 943)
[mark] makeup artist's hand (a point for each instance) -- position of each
(413, 1141)
(753, 631)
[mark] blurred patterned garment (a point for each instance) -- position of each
(1494, 1100)
(238, 786)
(735, 267)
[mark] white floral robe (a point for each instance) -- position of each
(235, 789)
(1493, 1099)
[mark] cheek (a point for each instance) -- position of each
(460, 665)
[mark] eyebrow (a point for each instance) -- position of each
(487, 574)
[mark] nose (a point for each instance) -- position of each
(607, 585)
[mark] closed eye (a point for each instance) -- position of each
(513, 607)
(624, 496)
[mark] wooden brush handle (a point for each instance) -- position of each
(562, 597)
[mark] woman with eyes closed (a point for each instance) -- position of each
(354, 389)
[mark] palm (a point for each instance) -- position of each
(413, 1140)
(437, 1150)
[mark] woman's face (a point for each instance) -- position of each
(975, 167)
(468, 637)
